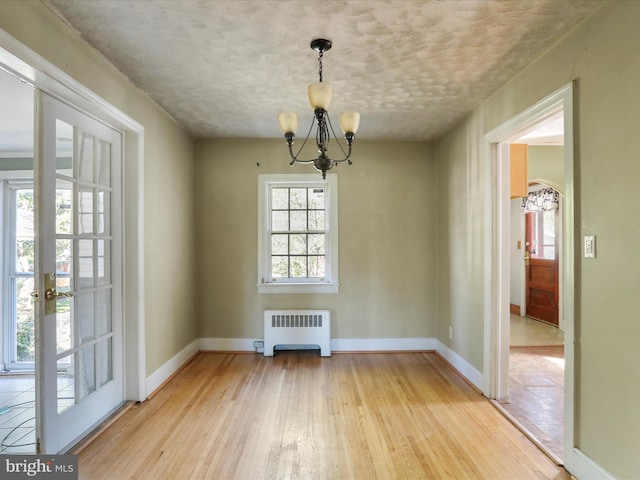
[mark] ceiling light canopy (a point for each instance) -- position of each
(320, 98)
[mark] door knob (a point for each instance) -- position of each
(52, 294)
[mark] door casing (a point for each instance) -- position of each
(497, 317)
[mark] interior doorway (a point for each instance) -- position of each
(17, 315)
(498, 319)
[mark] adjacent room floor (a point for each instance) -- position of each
(17, 414)
(536, 382)
(17, 411)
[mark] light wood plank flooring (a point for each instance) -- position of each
(300, 416)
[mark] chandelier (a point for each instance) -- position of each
(320, 97)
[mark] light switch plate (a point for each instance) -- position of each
(589, 246)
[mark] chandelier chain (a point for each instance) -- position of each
(320, 64)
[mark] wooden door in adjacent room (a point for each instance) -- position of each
(541, 265)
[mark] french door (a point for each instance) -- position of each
(78, 273)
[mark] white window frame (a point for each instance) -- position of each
(10, 276)
(330, 283)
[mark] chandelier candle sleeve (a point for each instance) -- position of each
(319, 95)
(320, 98)
(288, 122)
(349, 122)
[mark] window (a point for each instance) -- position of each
(298, 234)
(19, 254)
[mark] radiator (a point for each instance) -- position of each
(293, 328)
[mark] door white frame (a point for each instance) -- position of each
(496, 347)
(24, 63)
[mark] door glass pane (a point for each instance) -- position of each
(104, 262)
(66, 383)
(85, 156)
(105, 356)
(104, 163)
(86, 371)
(64, 327)
(85, 209)
(85, 263)
(64, 268)
(84, 316)
(543, 234)
(64, 148)
(64, 204)
(104, 312)
(104, 212)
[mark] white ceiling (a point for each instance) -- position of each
(412, 68)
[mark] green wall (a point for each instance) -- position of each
(601, 56)
(386, 240)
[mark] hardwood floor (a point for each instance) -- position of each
(300, 416)
(536, 394)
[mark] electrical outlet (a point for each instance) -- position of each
(259, 346)
(450, 332)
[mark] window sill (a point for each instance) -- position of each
(292, 288)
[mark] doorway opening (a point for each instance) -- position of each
(536, 348)
(515, 365)
(17, 321)
(26, 68)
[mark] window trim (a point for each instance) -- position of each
(330, 284)
(10, 276)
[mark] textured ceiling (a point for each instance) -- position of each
(412, 68)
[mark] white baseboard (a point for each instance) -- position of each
(337, 345)
(161, 375)
(465, 368)
(582, 467)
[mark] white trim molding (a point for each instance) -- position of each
(584, 468)
(162, 374)
(496, 322)
(266, 283)
(24, 63)
(463, 367)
